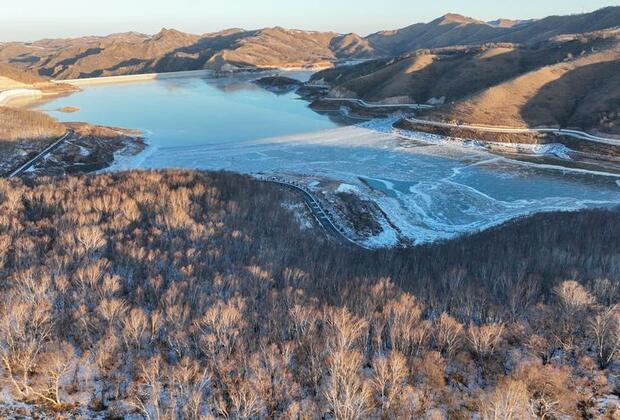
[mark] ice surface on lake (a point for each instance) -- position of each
(430, 189)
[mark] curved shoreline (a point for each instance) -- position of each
(11, 95)
(134, 78)
(129, 78)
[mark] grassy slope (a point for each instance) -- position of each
(448, 30)
(20, 75)
(571, 94)
(24, 133)
(20, 124)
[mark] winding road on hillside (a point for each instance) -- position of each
(559, 131)
(493, 129)
(365, 104)
(317, 210)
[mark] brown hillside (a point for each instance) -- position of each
(505, 23)
(583, 93)
(19, 124)
(20, 75)
(118, 54)
(170, 50)
(448, 30)
(24, 133)
(458, 72)
(540, 30)
(351, 46)
(278, 47)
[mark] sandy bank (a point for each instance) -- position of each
(11, 95)
(135, 77)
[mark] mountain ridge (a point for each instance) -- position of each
(234, 48)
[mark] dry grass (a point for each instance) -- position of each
(99, 131)
(20, 75)
(69, 109)
(19, 124)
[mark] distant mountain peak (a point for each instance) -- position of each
(455, 18)
(169, 33)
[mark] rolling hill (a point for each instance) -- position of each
(567, 81)
(580, 93)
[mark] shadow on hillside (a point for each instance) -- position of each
(195, 56)
(457, 73)
(192, 57)
(582, 98)
(50, 71)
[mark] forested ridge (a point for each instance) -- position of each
(180, 294)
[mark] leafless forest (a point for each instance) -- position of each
(195, 295)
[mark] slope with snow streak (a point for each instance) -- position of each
(430, 190)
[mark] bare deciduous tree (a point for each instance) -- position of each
(57, 365)
(605, 332)
(24, 331)
(221, 325)
(347, 394)
(508, 401)
(388, 382)
(448, 333)
(484, 339)
(196, 295)
(346, 329)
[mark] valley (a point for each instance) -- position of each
(408, 178)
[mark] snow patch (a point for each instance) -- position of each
(388, 237)
(437, 101)
(555, 149)
(347, 188)
(299, 212)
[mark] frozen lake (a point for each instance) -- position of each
(429, 191)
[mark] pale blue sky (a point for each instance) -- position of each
(34, 19)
